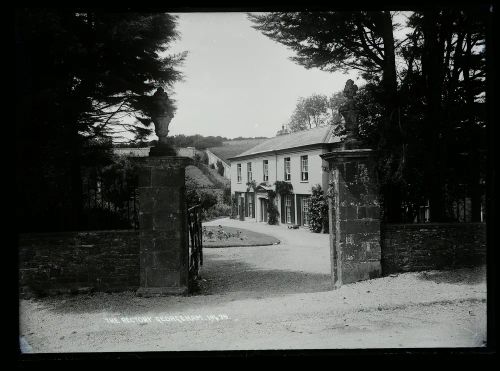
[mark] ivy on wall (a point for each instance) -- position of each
(272, 210)
(251, 185)
(283, 188)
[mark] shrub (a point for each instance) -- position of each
(216, 211)
(226, 196)
(207, 200)
(220, 167)
(318, 210)
(211, 205)
(325, 216)
(220, 234)
(192, 198)
(272, 210)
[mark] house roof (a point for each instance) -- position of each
(234, 147)
(320, 135)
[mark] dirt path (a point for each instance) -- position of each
(269, 297)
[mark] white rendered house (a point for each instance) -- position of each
(293, 158)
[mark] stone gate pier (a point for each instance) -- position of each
(354, 210)
(163, 235)
(354, 215)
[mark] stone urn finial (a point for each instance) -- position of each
(162, 114)
(350, 113)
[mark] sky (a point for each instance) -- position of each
(237, 81)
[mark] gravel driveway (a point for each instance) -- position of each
(268, 297)
(299, 264)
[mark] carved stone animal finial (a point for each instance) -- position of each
(350, 89)
(350, 113)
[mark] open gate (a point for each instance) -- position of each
(195, 242)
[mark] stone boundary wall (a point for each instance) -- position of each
(52, 263)
(427, 246)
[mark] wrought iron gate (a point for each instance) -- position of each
(195, 242)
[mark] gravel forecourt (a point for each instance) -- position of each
(268, 297)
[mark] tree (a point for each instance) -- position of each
(197, 140)
(427, 117)
(310, 112)
(449, 69)
(79, 73)
(316, 108)
(370, 113)
(334, 103)
(299, 120)
(343, 41)
(111, 201)
(336, 40)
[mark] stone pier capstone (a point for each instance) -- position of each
(163, 229)
(354, 216)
